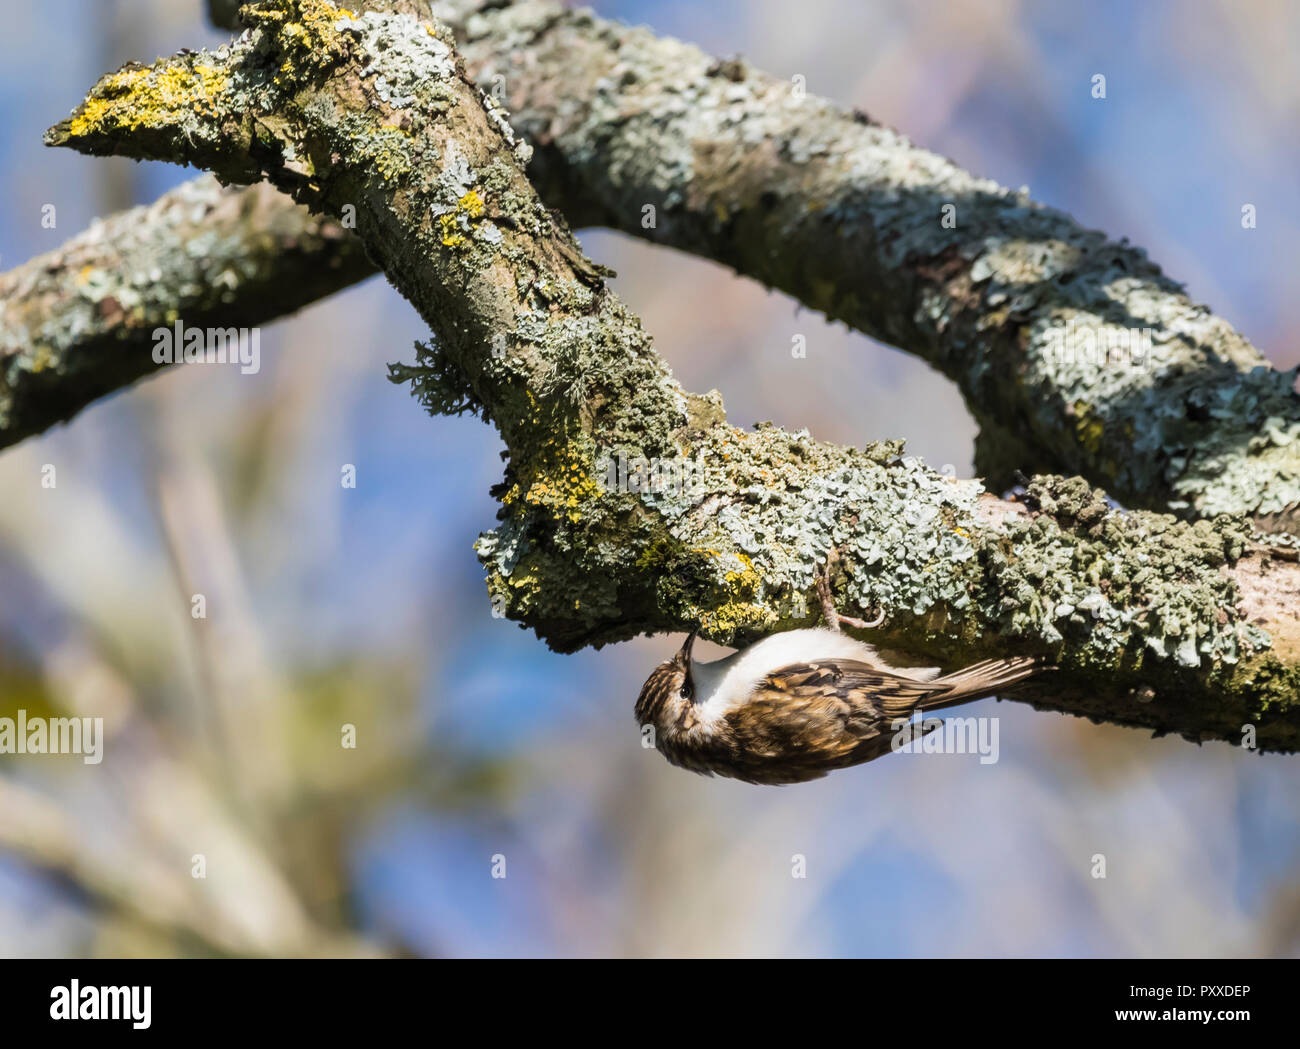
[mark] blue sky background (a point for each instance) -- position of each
(368, 605)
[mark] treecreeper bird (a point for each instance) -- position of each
(799, 704)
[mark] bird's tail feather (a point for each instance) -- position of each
(980, 680)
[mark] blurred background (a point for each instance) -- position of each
(476, 746)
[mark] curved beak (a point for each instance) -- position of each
(684, 656)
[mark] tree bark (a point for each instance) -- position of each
(78, 322)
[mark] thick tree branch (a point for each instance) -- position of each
(1181, 627)
(1018, 304)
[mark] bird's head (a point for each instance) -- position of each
(669, 686)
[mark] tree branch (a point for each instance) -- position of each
(78, 322)
(1016, 302)
(1181, 627)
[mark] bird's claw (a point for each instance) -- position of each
(832, 617)
(862, 624)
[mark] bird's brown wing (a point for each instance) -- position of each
(872, 691)
(806, 719)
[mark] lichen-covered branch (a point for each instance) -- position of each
(78, 322)
(1076, 344)
(1074, 352)
(629, 506)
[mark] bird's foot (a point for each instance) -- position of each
(832, 617)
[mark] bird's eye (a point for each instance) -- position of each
(688, 690)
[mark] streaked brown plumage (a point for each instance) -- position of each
(798, 705)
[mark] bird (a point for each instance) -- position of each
(801, 703)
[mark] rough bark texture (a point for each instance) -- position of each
(1016, 302)
(1187, 627)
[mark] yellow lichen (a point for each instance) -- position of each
(312, 40)
(735, 615)
(450, 238)
(1088, 427)
(472, 206)
(746, 579)
(149, 97)
(558, 479)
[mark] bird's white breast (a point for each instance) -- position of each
(728, 682)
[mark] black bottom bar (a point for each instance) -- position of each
(336, 998)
